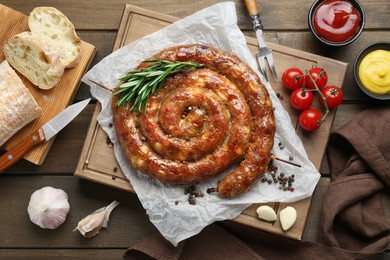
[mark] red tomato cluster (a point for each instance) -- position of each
(302, 96)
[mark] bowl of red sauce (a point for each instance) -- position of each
(336, 22)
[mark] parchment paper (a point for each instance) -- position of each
(214, 26)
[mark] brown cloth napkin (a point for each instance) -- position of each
(359, 159)
(354, 225)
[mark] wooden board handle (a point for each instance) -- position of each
(251, 6)
(14, 154)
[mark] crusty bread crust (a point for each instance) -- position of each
(56, 29)
(17, 105)
(32, 57)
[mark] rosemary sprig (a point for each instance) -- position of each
(139, 84)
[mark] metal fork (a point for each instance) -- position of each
(264, 52)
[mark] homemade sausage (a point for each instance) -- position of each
(201, 123)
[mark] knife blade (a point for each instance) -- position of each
(41, 135)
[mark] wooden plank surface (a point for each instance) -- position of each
(96, 254)
(97, 161)
(97, 23)
(293, 13)
(128, 222)
(51, 101)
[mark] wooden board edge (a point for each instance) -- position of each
(103, 178)
(82, 169)
(38, 154)
(123, 26)
(35, 158)
(295, 233)
(311, 56)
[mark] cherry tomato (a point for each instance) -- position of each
(293, 78)
(319, 75)
(309, 119)
(301, 98)
(333, 95)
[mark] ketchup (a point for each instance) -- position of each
(336, 20)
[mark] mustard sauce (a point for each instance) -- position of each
(374, 72)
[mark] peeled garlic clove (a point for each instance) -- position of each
(91, 224)
(266, 213)
(48, 207)
(288, 216)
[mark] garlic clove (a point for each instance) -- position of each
(91, 224)
(288, 217)
(48, 207)
(266, 213)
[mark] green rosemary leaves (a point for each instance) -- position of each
(137, 85)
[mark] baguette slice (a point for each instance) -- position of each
(56, 29)
(32, 57)
(17, 105)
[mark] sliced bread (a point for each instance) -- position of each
(56, 29)
(17, 105)
(33, 58)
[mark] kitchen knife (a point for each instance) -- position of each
(43, 134)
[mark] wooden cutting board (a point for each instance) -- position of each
(51, 101)
(97, 161)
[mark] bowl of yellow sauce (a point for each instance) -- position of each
(372, 70)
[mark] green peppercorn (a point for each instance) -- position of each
(191, 200)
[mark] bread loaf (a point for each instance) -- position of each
(32, 57)
(17, 105)
(56, 29)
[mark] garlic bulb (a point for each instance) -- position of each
(91, 224)
(48, 207)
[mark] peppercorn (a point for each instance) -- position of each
(191, 200)
(198, 193)
(211, 190)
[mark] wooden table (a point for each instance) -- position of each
(97, 21)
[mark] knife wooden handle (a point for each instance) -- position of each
(14, 154)
(251, 6)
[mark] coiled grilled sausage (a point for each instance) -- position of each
(201, 123)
